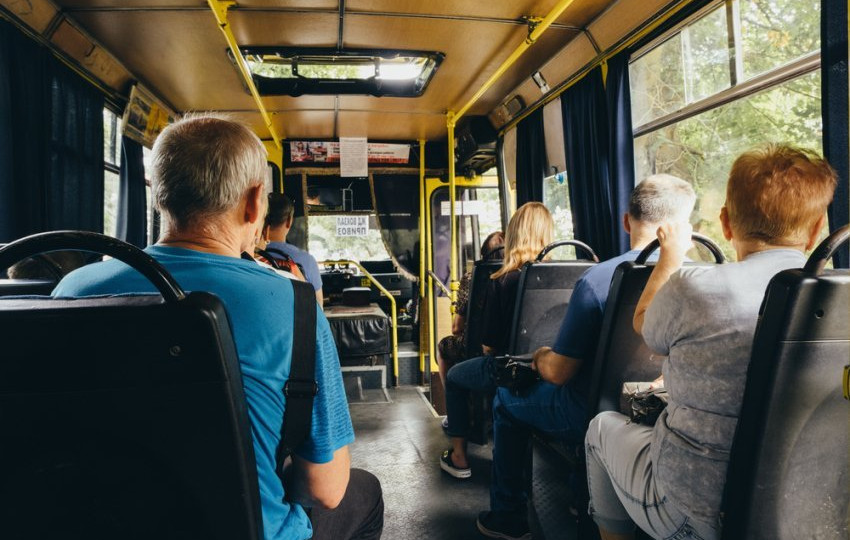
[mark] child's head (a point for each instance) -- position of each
(777, 194)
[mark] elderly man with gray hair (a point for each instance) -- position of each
(557, 405)
(210, 186)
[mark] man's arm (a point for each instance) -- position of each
(318, 484)
(675, 240)
(553, 367)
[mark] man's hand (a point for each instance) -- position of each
(553, 367)
(539, 353)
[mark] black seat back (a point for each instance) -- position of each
(543, 295)
(622, 355)
(16, 287)
(478, 286)
(789, 469)
(123, 418)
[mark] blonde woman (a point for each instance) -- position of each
(529, 231)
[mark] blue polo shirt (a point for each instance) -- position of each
(259, 304)
(307, 262)
(579, 333)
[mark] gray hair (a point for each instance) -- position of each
(202, 167)
(662, 197)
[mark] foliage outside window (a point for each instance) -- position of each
(111, 168)
(556, 197)
(720, 53)
(324, 244)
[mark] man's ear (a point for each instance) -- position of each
(814, 232)
(724, 221)
(255, 210)
(289, 221)
(627, 225)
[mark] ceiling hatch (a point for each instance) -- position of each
(297, 71)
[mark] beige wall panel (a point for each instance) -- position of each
(291, 4)
(289, 103)
(180, 56)
(391, 126)
(93, 58)
(304, 124)
(622, 18)
(37, 14)
(284, 29)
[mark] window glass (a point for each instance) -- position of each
(556, 197)
(111, 166)
(325, 244)
(775, 32)
(658, 82)
(701, 149)
(706, 56)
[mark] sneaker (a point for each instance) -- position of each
(445, 423)
(501, 525)
(447, 465)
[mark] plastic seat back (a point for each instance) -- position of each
(18, 287)
(622, 355)
(789, 470)
(123, 417)
(478, 286)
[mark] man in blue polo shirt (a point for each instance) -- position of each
(209, 185)
(558, 404)
(275, 230)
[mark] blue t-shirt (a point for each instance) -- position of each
(579, 333)
(307, 262)
(259, 304)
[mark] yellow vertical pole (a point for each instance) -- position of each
(453, 270)
(422, 224)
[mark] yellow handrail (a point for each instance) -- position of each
(386, 293)
(219, 9)
(422, 225)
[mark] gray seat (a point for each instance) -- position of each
(122, 417)
(789, 469)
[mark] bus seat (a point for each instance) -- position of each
(543, 295)
(123, 417)
(622, 356)
(789, 469)
(18, 287)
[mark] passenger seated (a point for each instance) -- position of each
(276, 228)
(557, 405)
(209, 186)
(529, 231)
(669, 479)
(452, 349)
(54, 265)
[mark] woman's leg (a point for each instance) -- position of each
(474, 374)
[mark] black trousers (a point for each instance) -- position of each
(360, 515)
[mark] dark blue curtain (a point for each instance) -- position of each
(621, 144)
(835, 111)
(24, 134)
(586, 137)
(530, 158)
(132, 204)
(51, 129)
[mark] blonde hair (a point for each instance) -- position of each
(529, 231)
(777, 192)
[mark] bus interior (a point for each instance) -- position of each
(405, 133)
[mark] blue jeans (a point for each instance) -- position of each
(555, 410)
(476, 374)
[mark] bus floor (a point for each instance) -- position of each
(400, 442)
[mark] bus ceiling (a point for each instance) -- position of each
(175, 50)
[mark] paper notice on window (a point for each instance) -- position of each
(353, 157)
(462, 208)
(352, 225)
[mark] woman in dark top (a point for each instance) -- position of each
(529, 231)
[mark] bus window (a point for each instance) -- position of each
(690, 121)
(111, 168)
(556, 197)
(346, 236)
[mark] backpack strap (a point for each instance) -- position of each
(301, 387)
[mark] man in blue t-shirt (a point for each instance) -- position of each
(276, 229)
(209, 177)
(558, 404)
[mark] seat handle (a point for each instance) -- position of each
(715, 250)
(578, 244)
(846, 382)
(825, 250)
(96, 243)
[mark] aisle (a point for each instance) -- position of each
(400, 442)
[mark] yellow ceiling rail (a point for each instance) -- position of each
(537, 29)
(219, 9)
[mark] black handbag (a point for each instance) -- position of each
(515, 373)
(646, 406)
